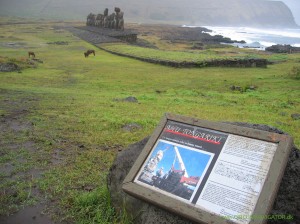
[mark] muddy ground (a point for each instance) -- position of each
(16, 136)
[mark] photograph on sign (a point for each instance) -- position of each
(181, 161)
(175, 169)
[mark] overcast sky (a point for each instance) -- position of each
(6, 6)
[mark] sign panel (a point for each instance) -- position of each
(210, 172)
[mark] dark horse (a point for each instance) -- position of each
(88, 52)
(31, 53)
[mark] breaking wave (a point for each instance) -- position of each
(258, 37)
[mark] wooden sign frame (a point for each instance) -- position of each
(192, 209)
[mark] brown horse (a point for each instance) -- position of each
(31, 53)
(88, 52)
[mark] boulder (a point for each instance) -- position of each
(138, 210)
(130, 99)
(131, 127)
(295, 116)
(9, 67)
(287, 200)
(279, 48)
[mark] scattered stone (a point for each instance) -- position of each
(131, 127)
(280, 123)
(9, 67)
(159, 91)
(283, 113)
(286, 201)
(87, 187)
(59, 42)
(130, 99)
(295, 116)
(241, 89)
(252, 87)
(37, 60)
(233, 87)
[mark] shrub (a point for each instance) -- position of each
(294, 73)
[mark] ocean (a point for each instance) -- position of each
(258, 38)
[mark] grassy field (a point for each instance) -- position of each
(75, 126)
(176, 56)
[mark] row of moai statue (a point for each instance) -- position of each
(112, 21)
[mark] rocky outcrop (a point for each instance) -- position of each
(286, 202)
(278, 48)
(9, 67)
(124, 35)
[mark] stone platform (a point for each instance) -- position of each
(98, 35)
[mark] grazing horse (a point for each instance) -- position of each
(88, 52)
(30, 53)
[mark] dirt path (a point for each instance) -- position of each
(20, 199)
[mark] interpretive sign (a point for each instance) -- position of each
(210, 172)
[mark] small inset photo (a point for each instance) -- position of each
(174, 169)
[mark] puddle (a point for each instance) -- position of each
(29, 215)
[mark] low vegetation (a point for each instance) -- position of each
(61, 127)
(294, 73)
(169, 55)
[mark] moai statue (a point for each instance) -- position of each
(111, 20)
(94, 20)
(99, 20)
(117, 9)
(105, 18)
(89, 19)
(105, 13)
(119, 19)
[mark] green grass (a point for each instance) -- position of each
(176, 56)
(75, 107)
(179, 54)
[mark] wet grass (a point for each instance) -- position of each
(177, 56)
(76, 125)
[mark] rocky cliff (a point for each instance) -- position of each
(214, 12)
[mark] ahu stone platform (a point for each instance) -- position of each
(96, 35)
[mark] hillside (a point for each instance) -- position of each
(191, 12)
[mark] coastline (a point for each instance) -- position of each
(258, 38)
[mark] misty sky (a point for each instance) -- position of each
(12, 7)
(294, 6)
